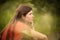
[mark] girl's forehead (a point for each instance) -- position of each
(30, 11)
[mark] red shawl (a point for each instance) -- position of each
(14, 31)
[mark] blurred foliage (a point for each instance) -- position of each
(52, 6)
(46, 12)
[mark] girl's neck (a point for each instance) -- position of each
(26, 22)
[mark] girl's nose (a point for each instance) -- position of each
(33, 16)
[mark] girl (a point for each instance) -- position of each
(21, 28)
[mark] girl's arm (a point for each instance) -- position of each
(39, 35)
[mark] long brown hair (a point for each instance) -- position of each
(21, 10)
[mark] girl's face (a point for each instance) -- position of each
(29, 16)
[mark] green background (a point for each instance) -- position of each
(46, 15)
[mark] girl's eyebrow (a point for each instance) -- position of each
(30, 13)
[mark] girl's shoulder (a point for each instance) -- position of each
(20, 26)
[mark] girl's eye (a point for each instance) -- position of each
(30, 13)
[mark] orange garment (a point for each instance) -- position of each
(14, 31)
